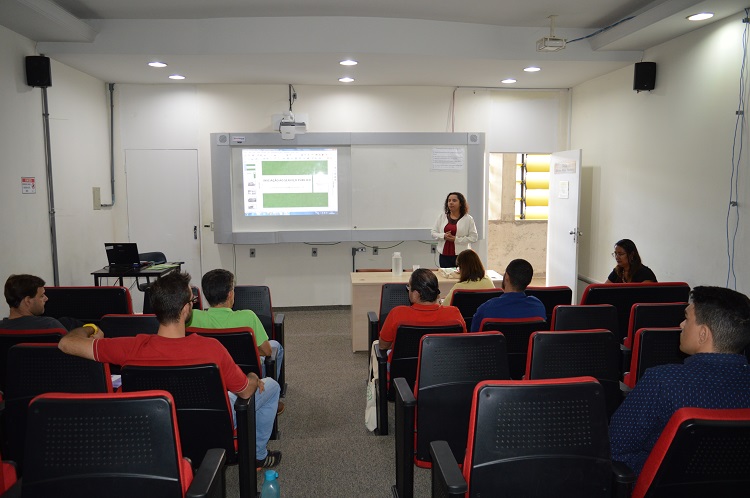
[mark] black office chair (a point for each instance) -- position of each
(551, 297)
(391, 295)
(156, 258)
(9, 338)
(468, 300)
(450, 366)
(204, 414)
(517, 332)
(114, 446)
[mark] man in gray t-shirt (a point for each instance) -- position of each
(25, 297)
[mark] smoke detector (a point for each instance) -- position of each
(550, 43)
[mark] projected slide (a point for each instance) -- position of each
(282, 182)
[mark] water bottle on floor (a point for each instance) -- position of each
(270, 487)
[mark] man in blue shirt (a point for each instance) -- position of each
(513, 303)
(715, 332)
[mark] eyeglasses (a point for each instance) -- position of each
(408, 288)
(620, 254)
(193, 300)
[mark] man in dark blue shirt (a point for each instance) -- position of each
(513, 303)
(715, 332)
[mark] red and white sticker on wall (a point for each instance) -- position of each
(28, 185)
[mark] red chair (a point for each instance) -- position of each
(9, 338)
(240, 342)
(8, 476)
(701, 452)
(87, 304)
(654, 315)
(391, 295)
(533, 438)
(652, 347)
(551, 297)
(129, 325)
(517, 332)
(450, 366)
(579, 317)
(113, 445)
(468, 300)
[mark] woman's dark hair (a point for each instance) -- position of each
(470, 266)
(425, 283)
(634, 260)
(464, 206)
(169, 294)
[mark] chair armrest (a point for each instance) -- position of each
(269, 363)
(208, 481)
(626, 354)
(381, 399)
(625, 389)
(14, 491)
(406, 405)
(245, 412)
(278, 327)
(447, 479)
(623, 480)
(372, 326)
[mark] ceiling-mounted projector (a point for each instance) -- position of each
(289, 127)
(550, 43)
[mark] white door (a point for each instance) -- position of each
(562, 226)
(163, 205)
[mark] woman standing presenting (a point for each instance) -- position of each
(454, 229)
(629, 266)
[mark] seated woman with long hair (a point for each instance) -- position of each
(472, 274)
(629, 267)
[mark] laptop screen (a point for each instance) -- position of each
(122, 254)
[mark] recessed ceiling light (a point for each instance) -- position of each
(157, 64)
(348, 62)
(701, 17)
(346, 79)
(532, 69)
(508, 80)
(176, 77)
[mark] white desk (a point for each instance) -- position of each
(366, 287)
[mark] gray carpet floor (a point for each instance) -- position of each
(327, 451)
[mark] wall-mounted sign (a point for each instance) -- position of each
(28, 185)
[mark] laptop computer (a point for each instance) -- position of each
(123, 255)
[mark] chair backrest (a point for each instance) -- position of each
(654, 315)
(624, 296)
(391, 295)
(34, 369)
(113, 445)
(8, 476)
(154, 257)
(529, 436)
(240, 342)
(203, 410)
(405, 349)
(9, 338)
(579, 317)
(517, 332)
(551, 297)
(576, 353)
(129, 325)
(449, 368)
(701, 452)
(258, 299)
(148, 309)
(652, 347)
(88, 304)
(468, 300)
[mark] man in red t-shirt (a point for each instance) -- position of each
(424, 292)
(172, 301)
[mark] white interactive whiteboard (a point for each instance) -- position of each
(391, 186)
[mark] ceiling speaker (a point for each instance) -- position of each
(38, 72)
(644, 76)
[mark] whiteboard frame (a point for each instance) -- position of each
(221, 162)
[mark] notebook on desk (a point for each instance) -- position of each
(123, 255)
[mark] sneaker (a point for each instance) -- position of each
(273, 458)
(280, 409)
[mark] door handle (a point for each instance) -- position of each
(195, 232)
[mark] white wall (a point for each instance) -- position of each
(78, 117)
(656, 165)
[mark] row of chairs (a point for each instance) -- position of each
(200, 397)
(519, 427)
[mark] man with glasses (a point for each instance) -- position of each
(172, 300)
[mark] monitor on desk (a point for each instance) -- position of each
(122, 254)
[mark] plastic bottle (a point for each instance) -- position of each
(270, 487)
(397, 264)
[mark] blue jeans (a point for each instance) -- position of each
(279, 357)
(266, 404)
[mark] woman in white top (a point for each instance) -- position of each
(454, 229)
(472, 275)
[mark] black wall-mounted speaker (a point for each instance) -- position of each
(38, 72)
(644, 76)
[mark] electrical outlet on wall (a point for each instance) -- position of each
(314, 252)
(252, 252)
(375, 251)
(433, 248)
